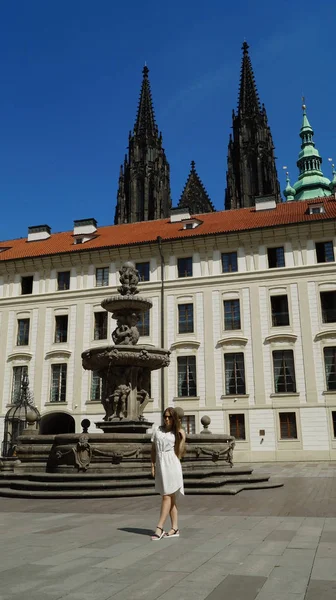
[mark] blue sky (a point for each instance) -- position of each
(70, 81)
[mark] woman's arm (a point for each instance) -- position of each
(153, 458)
(182, 443)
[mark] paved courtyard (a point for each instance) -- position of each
(259, 545)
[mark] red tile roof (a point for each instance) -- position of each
(243, 219)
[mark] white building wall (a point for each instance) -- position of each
(314, 428)
(218, 350)
(171, 313)
(267, 355)
(247, 331)
(6, 398)
(200, 359)
(314, 307)
(262, 419)
(298, 350)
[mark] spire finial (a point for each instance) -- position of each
(248, 102)
(145, 70)
(192, 165)
(245, 47)
(304, 105)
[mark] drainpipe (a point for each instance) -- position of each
(159, 241)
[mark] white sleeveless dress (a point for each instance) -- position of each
(168, 470)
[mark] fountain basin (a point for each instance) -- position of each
(127, 303)
(104, 357)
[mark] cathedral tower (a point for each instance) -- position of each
(144, 183)
(194, 195)
(251, 169)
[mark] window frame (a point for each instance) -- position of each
(275, 258)
(236, 415)
(64, 281)
(60, 332)
(186, 328)
(24, 280)
(321, 252)
(147, 270)
(192, 429)
(99, 387)
(227, 380)
(187, 269)
(289, 437)
(274, 298)
(284, 367)
(232, 313)
(62, 382)
(333, 368)
(26, 334)
(191, 386)
(326, 311)
(97, 326)
(23, 370)
(143, 324)
(102, 281)
(230, 262)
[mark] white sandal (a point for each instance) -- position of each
(175, 534)
(155, 537)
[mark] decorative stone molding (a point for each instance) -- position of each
(232, 340)
(58, 354)
(325, 335)
(185, 344)
(19, 356)
(288, 338)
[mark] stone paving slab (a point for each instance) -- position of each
(263, 545)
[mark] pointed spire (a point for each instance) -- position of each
(248, 101)
(311, 182)
(145, 124)
(289, 191)
(194, 195)
(333, 181)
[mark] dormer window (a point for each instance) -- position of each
(191, 223)
(316, 209)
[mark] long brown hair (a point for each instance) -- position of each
(176, 429)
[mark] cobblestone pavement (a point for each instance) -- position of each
(275, 544)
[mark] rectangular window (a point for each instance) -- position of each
(185, 318)
(234, 373)
(63, 280)
(231, 314)
(58, 383)
(324, 252)
(328, 305)
(18, 375)
(185, 267)
(333, 414)
(61, 329)
(102, 277)
(284, 372)
(100, 325)
(188, 423)
(96, 386)
(186, 372)
(23, 332)
(27, 285)
(330, 367)
(276, 257)
(143, 270)
(237, 426)
(288, 429)
(143, 323)
(229, 262)
(280, 314)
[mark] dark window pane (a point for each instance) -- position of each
(330, 367)
(100, 325)
(229, 262)
(58, 383)
(96, 386)
(288, 426)
(280, 315)
(188, 423)
(328, 305)
(102, 276)
(18, 375)
(186, 318)
(186, 370)
(276, 257)
(143, 270)
(63, 280)
(27, 285)
(231, 314)
(143, 323)
(333, 414)
(284, 372)
(23, 332)
(324, 252)
(234, 373)
(185, 267)
(237, 426)
(61, 329)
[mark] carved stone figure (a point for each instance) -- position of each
(129, 279)
(83, 452)
(126, 332)
(119, 402)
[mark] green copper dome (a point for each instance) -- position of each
(289, 191)
(311, 183)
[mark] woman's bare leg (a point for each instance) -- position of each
(173, 513)
(165, 510)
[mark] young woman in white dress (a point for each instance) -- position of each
(168, 447)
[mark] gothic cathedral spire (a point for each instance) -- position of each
(251, 169)
(144, 182)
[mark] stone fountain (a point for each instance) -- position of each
(126, 367)
(117, 462)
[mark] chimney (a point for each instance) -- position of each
(37, 233)
(265, 202)
(179, 214)
(84, 230)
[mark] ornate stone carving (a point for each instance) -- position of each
(129, 279)
(225, 453)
